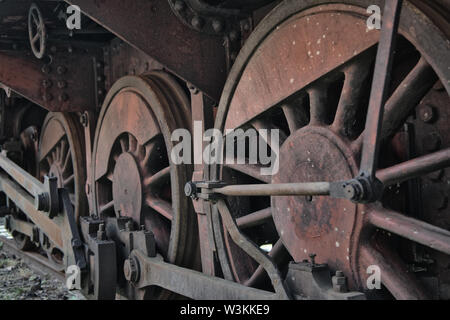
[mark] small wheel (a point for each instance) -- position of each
(36, 31)
(61, 155)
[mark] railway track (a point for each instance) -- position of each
(34, 261)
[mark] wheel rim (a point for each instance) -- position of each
(311, 44)
(37, 31)
(61, 155)
(131, 170)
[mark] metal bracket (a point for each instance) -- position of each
(311, 281)
(75, 239)
(102, 281)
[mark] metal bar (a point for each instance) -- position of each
(26, 203)
(21, 226)
(255, 218)
(38, 82)
(283, 189)
(27, 181)
(253, 251)
(193, 284)
(401, 284)
(380, 87)
(412, 229)
(415, 167)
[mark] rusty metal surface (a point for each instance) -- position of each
(306, 48)
(65, 85)
(132, 176)
(61, 155)
(322, 145)
(194, 57)
(380, 88)
(26, 203)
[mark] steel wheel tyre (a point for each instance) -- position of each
(131, 170)
(61, 155)
(306, 70)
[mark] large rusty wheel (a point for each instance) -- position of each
(131, 170)
(61, 155)
(307, 71)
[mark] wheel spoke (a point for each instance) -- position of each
(161, 206)
(415, 168)
(66, 162)
(36, 37)
(255, 218)
(55, 154)
(412, 229)
(62, 151)
(149, 147)
(318, 104)
(124, 144)
(132, 143)
(349, 101)
(394, 274)
(278, 254)
(407, 96)
(296, 115)
(69, 180)
(157, 179)
(250, 170)
(262, 124)
(35, 19)
(404, 99)
(106, 207)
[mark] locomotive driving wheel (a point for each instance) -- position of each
(61, 155)
(306, 71)
(133, 176)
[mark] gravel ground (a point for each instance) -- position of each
(19, 282)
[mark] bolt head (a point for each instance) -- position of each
(62, 84)
(46, 69)
(197, 22)
(427, 113)
(190, 189)
(131, 270)
(61, 70)
(63, 97)
(432, 142)
(217, 25)
(234, 35)
(179, 5)
(47, 83)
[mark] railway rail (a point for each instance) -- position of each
(355, 177)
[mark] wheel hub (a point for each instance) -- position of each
(315, 225)
(127, 188)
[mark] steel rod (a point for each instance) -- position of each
(412, 229)
(380, 87)
(415, 167)
(23, 178)
(283, 189)
(25, 202)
